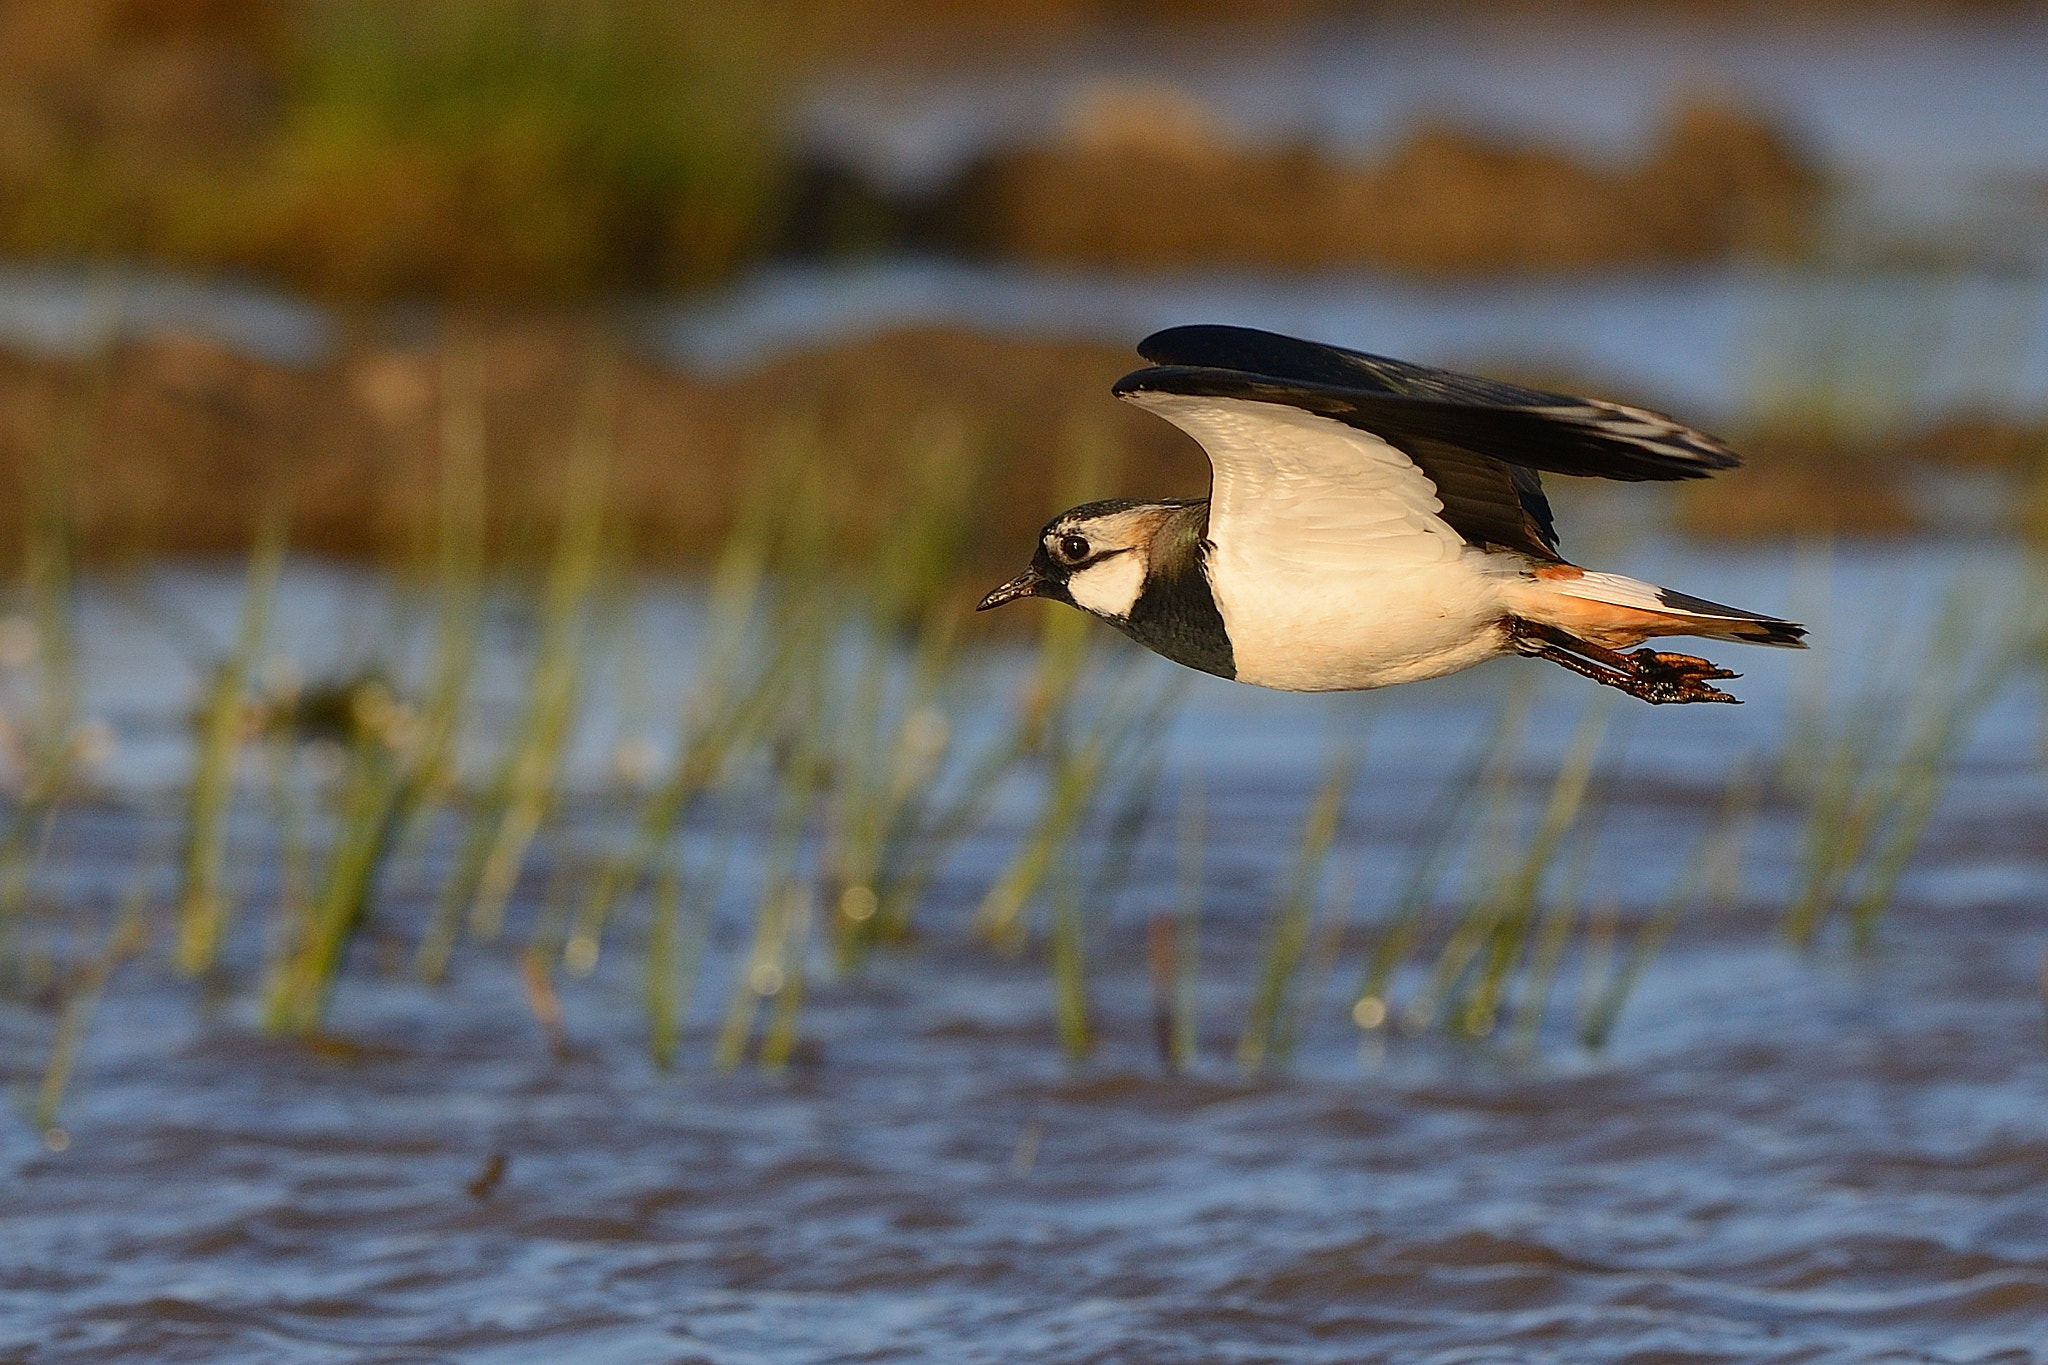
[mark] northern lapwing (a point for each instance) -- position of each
(1373, 522)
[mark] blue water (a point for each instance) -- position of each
(1830, 1158)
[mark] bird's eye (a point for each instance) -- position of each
(1073, 549)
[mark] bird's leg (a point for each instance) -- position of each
(1656, 677)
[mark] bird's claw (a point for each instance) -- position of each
(1656, 677)
(1659, 678)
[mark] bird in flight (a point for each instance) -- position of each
(1373, 522)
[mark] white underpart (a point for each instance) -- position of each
(1333, 568)
(1110, 587)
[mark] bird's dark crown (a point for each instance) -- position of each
(1104, 507)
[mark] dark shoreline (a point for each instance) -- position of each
(180, 448)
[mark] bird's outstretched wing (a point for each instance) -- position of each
(1478, 441)
(1554, 432)
(1297, 495)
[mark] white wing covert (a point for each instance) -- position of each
(1298, 492)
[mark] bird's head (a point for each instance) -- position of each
(1096, 557)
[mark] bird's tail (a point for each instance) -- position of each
(1619, 612)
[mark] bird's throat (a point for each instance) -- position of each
(1175, 614)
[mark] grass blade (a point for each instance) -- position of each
(203, 904)
(1261, 1041)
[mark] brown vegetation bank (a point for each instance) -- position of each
(177, 447)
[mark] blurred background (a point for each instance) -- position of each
(1819, 230)
(513, 844)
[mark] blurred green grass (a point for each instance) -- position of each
(380, 147)
(539, 145)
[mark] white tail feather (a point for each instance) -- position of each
(1574, 603)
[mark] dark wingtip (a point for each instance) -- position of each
(1391, 398)
(1138, 381)
(1181, 345)
(1214, 381)
(1250, 350)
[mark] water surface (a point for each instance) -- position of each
(1833, 1159)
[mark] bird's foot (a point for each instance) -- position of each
(1658, 678)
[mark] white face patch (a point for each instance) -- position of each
(1121, 544)
(1110, 587)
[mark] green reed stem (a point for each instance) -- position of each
(1144, 755)
(1076, 778)
(1917, 786)
(543, 948)
(49, 571)
(1261, 1041)
(1185, 1033)
(883, 803)
(126, 939)
(49, 579)
(928, 840)
(732, 696)
(1869, 815)
(1553, 938)
(1070, 967)
(663, 953)
(495, 847)
(1712, 863)
(867, 791)
(772, 971)
(788, 945)
(293, 918)
(203, 900)
(382, 786)
(679, 926)
(778, 1038)
(1443, 827)
(299, 993)
(458, 629)
(1493, 818)
(1326, 945)
(1516, 906)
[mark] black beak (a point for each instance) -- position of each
(1025, 584)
